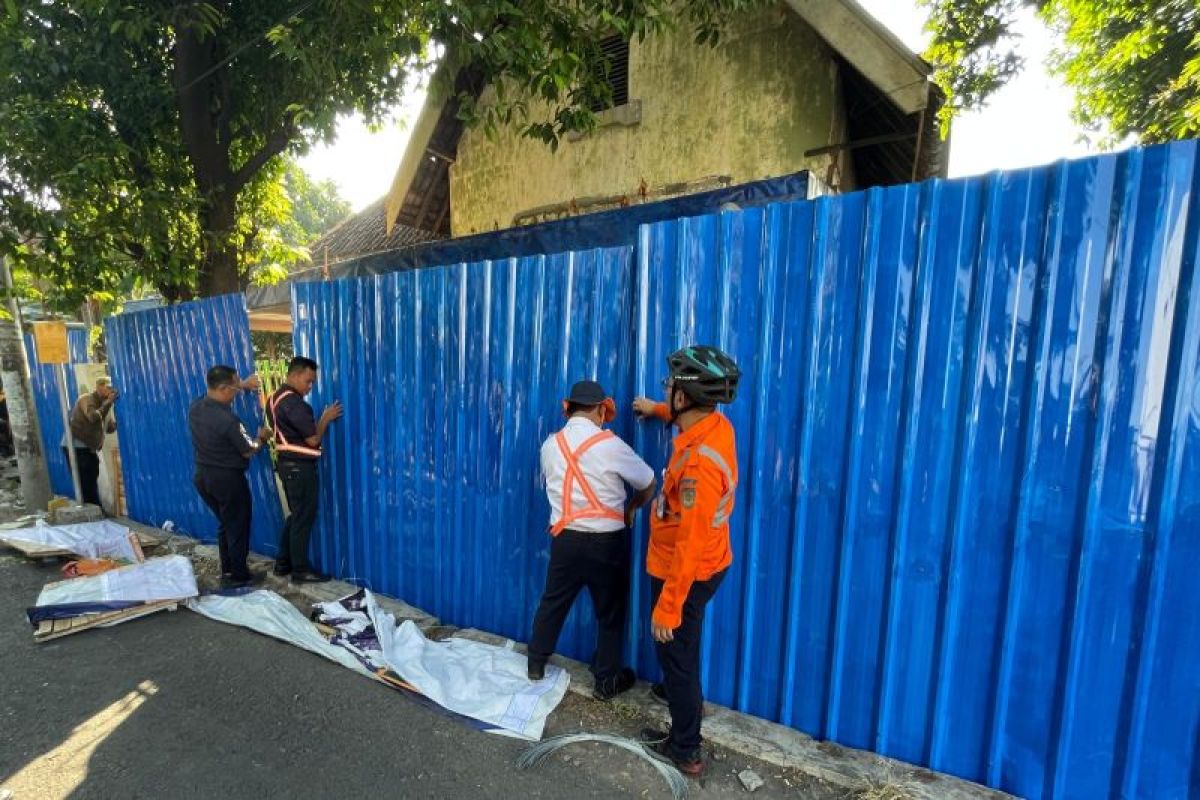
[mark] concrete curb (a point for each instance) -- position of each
(844, 767)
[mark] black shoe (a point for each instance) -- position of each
(658, 693)
(535, 671)
(309, 577)
(281, 569)
(658, 743)
(608, 689)
(239, 583)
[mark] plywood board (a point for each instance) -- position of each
(56, 628)
(37, 550)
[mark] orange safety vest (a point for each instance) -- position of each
(594, 508)
(281, 443)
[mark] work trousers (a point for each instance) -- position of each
(227, 493)
(680, 662)
(599, 561)
(299, 480)
(89, 473)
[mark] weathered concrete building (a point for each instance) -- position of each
(814, 85)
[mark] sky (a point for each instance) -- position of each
(1026, 123)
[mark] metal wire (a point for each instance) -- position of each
(538, 753)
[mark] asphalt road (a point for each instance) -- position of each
(178, 706)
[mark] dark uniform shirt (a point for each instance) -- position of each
(218, 436)
(292, 418)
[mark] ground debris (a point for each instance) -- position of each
(889, 790)
(750, 780)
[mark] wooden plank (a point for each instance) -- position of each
(395, 681)
(37, 550)
(57, 628)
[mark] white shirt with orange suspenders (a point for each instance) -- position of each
(586, 469)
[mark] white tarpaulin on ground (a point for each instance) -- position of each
(169, 578)
(471, 678)
(271, 615)
(101, 539)
(476, 680)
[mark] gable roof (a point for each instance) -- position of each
(873, 50)
(363, 233)
(895, 81)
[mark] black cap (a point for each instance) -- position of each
(587, 393)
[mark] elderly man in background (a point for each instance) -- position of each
(90, 420)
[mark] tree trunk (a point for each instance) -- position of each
(22, 419)
(203, 100)
(206, 109)
(219, 272)
(22, 413)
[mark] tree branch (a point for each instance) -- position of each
(276, 143)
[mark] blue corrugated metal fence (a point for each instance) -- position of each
(967, 436)
(159, 358)
(452, 377)
(969, 439)
(45, 392)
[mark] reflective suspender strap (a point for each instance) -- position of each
(594, 508)
(281, 442)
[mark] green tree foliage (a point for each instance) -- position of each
(282, 214)
(143, 138)
(1134, 64)
(316, 206)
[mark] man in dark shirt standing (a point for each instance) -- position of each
(297, 448)
(223, 451)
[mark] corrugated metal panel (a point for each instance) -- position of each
(44, 379)
(159, 358)
(969, 438)
(451, 378)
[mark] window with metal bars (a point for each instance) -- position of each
(614, 71)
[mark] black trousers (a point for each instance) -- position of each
(299, 480)
(680, 662)
(227, 493)
(89, 473)
(599, 561)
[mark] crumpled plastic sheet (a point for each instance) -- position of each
(481, 681)
(265, 612)
(169, 578)
(471, 678)
(101, 539)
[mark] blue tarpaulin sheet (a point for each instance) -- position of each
(615, 228)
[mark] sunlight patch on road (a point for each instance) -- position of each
(64, 769)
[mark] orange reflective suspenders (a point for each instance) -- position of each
(281, 443)
(594, 508)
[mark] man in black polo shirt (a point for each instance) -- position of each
(223, 451)
(297, 448)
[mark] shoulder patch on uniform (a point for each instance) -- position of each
(687, 496)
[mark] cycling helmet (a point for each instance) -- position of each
(705, 374)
